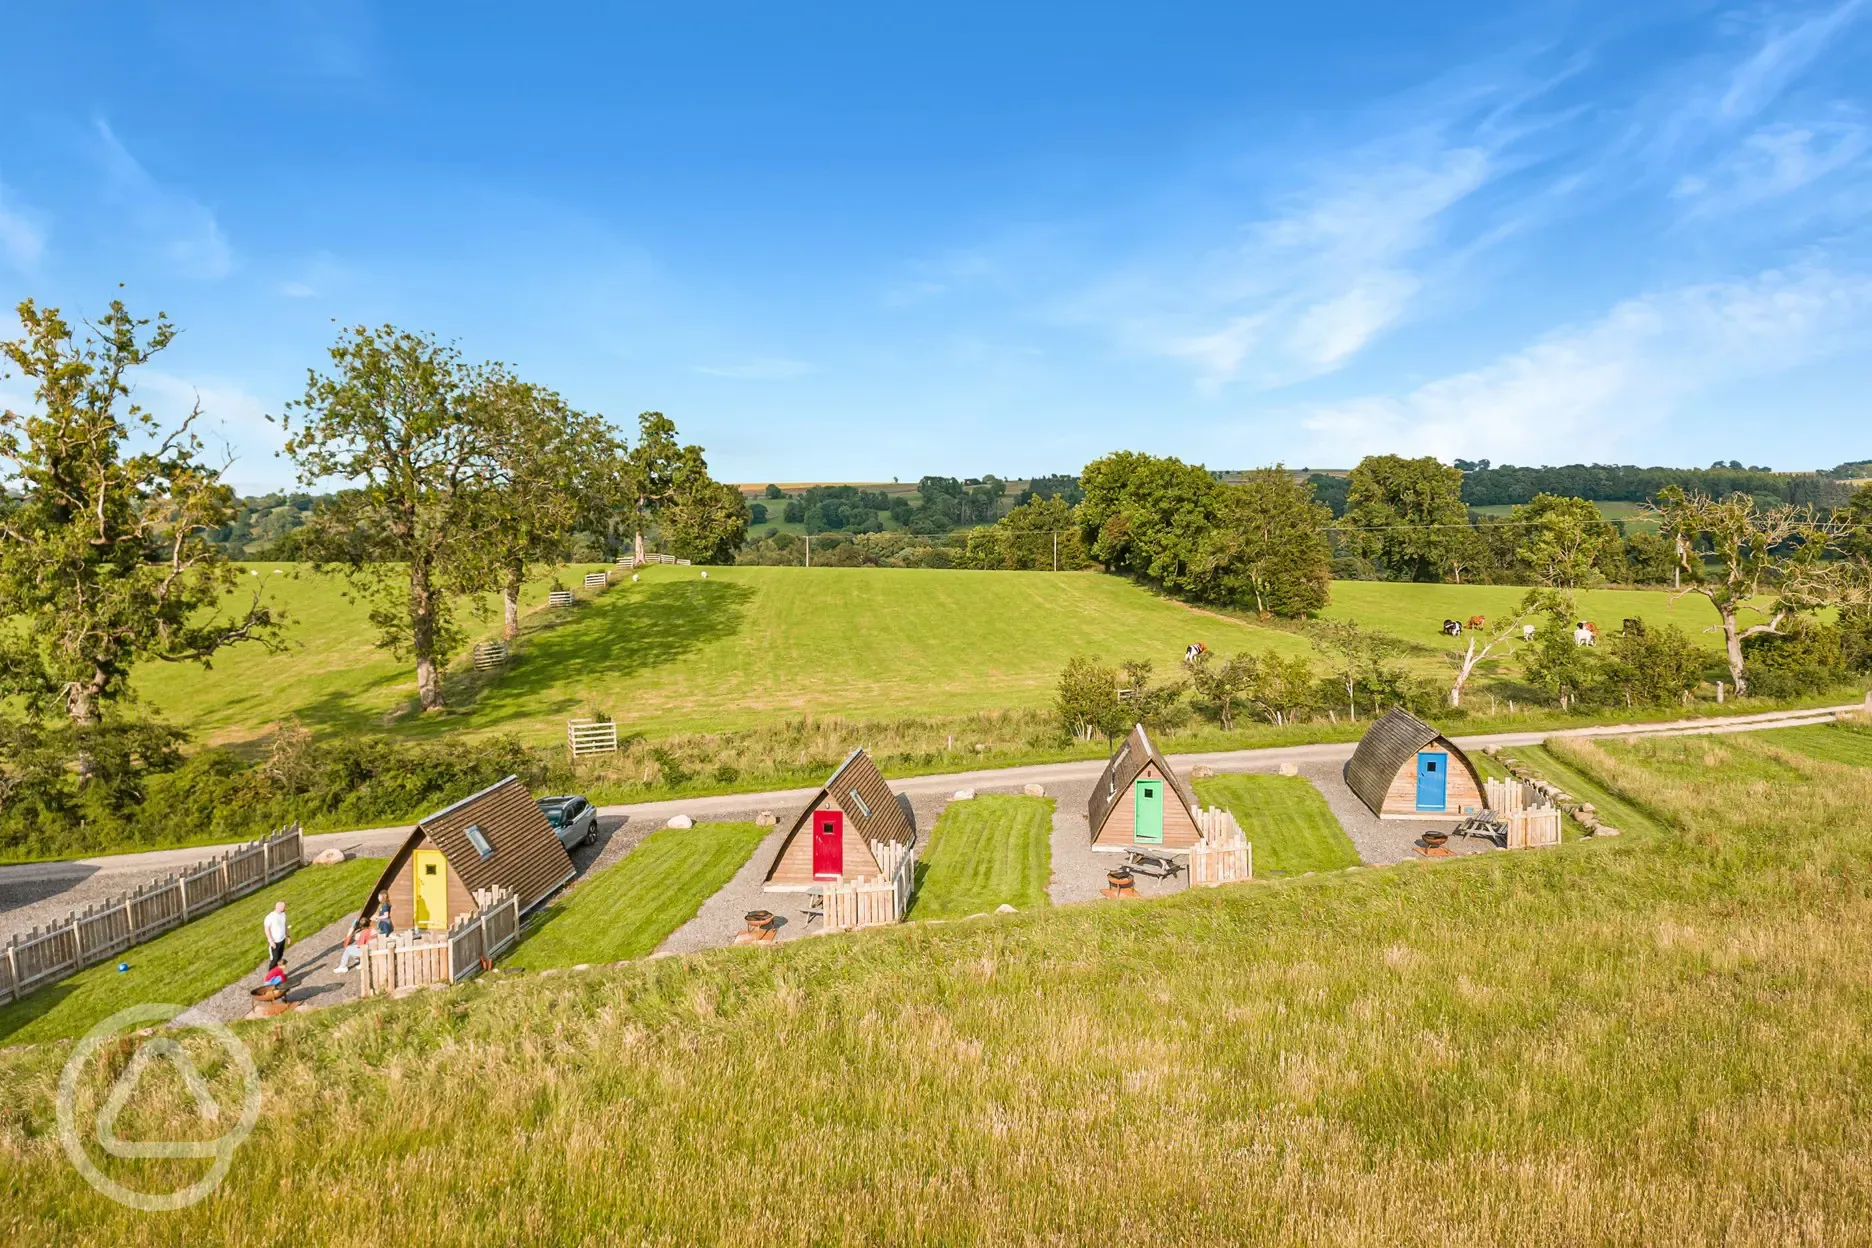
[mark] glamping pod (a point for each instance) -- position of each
(1141, 801)
(497, 838)
(835, 837)
(1405, 769)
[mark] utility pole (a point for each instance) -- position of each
(1056, 550)
(809, 548)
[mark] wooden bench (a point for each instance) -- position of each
(1161, 863)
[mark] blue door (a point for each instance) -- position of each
(1432, 781)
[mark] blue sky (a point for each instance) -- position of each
(858, 242)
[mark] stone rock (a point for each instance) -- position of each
(1587, 808)
(1034, 790)
(329, 858)
(407, 990)
(1603, 830)
(680, 821)
(963, 795)
(1201, 771)
(766, 819)
(1491, 750)
(582, 966)
(1289, 769)
(1004, 908)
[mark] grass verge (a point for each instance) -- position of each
(631, 907)
(1292, 829)
(986, 852)
(194, 961)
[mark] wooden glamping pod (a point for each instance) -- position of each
(835, 837)
(1405, 769)
(1141, 801)
(497, 838)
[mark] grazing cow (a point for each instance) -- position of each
(1476, 623)
(1527, 632)
(1586, 634)
(1195, 651)
(1452, 628)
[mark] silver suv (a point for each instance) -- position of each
(573, 818)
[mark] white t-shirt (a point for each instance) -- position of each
(275, 925)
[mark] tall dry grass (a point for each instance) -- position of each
(1654, 1042)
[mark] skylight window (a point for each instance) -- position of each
(478, 839)
(858, 800)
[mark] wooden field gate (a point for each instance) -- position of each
(1222, 854)
(1532, 819)
(109, 927)
(412, 959)
(591, 736)
(871, 902)
(489, 654)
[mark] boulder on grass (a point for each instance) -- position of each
(1289, 769)
(963, 795)
(766, 819)
(330, 858)
(1201, 771)
(1004, 908)
(680, 821)
(1034, 790)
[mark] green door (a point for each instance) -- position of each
(1149, 812)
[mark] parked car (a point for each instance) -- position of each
(573, 818)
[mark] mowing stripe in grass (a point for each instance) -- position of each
(1611, 807)
(631, 907)
(1830, 743)
(986, 852)
(194, 961)
(1292, 829)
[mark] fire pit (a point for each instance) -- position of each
(1435, 840)
(1121, 878)
(759, 921)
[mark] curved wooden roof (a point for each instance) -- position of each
(871, 809)
(1126, 765)
(1386, 746)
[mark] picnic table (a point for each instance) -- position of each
(1162, 863)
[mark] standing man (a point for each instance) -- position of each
(275, 927)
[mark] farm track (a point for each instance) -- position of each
(32, 893)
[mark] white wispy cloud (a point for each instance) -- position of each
(183, 232)
(231, 416)
(1602, 384)
(22, 241)
(757, 370)
(1783, 57)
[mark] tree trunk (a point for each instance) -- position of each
(637, 550)
(81, 705)
(510, 605)
(1732, 644)
(422, 604)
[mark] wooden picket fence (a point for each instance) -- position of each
(489, 654)
(560, 598)
(1532, 818)
(1222, 854)
(103, 930)
(649, 559)
(413, 958)
(591, 736)
(868, 902)
(597, 580)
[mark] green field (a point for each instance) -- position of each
(1285, 819)
(1655, 1040)
(1831, 743)
(748, 646)
(194, 961)
(632, 906)
(986, 852)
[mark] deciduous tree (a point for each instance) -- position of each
(1562, 540)
(1405, 513)
(104, 564)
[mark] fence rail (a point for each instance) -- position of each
(649, 559)
(1222, 855)
(559, 598)
(597, 580)
(107, 928)
(871, 902)
(1532, 819)
(412, 959)
(489, 654)
(591, 736)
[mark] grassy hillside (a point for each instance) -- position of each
(676, 653)
(1655, 1040)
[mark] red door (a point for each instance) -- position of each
(828, 844)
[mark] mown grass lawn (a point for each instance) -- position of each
(631, 907)
(1831, 743)
(1555, 762)
(194, 961)
(1654, 1040)
(1292, 829)
(674, 653)
(985, 852)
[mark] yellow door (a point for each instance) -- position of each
(431, 889)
